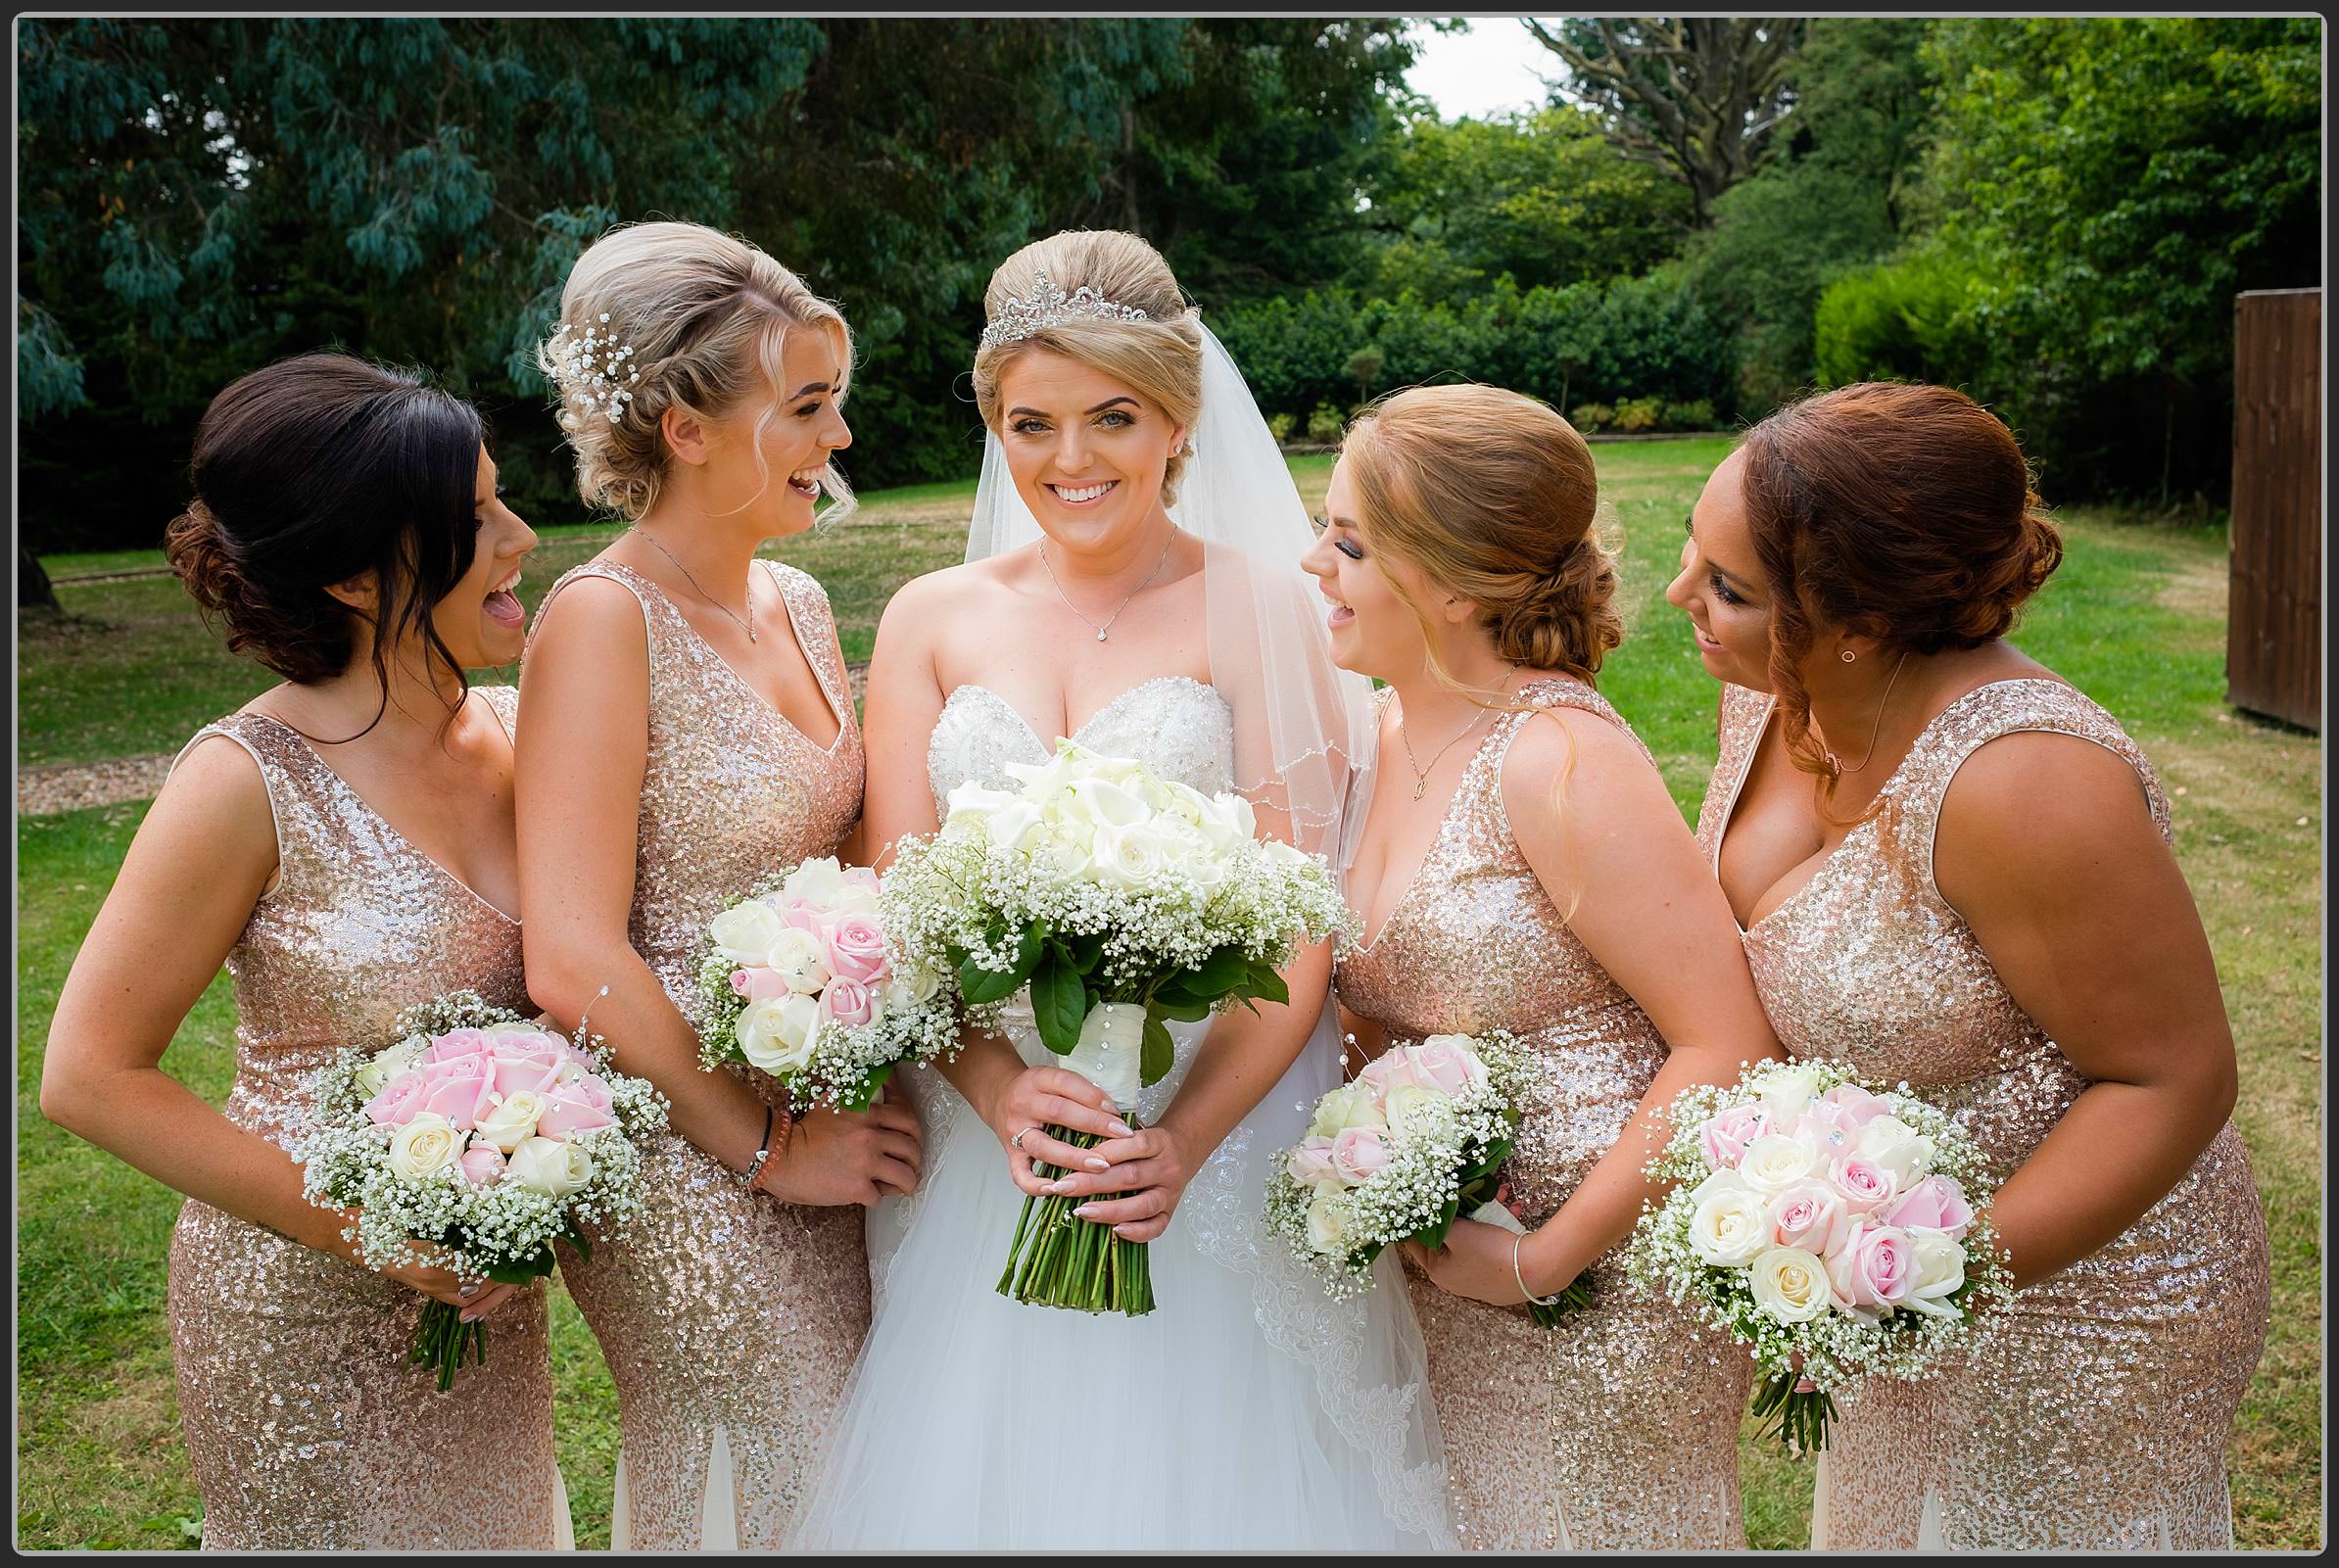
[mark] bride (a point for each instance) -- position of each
(1131, 581)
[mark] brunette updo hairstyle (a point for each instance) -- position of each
(1161, 357)
(314, 471)
(1492, 495)
(1899, 512)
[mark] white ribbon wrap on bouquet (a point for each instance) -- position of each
(1111, 1051)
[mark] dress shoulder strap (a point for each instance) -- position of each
(301, 788)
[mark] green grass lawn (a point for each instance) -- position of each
(2137, 617)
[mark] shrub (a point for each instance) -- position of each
(1906, 322)
(1279, 426)
(1696, 415)
(1636, 414)
(1590, 417)
(1324, 425)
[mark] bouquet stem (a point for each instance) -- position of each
(1059, 1259)
(1549, 1314)
(443, 1339)
(1800, 1419)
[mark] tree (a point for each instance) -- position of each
(1698, 96)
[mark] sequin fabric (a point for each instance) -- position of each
(723, 1309)
(1619, 1429)
(2096, 1415)
(306, 1428)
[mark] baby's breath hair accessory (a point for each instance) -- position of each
(1048, 306)
(593, 369)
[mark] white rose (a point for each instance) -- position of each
(911, 986)
(513, 1122)
(1414, 1110)
(388, 1065)
(1283, 857)
(1325, 1233)
(816, 881)
(1718, 1181)
(550, 1166)
(1939, 1267)
(424, 1147)
(1790, 1284)
(1352, 1104)
(1235, 817)
(800, 959)
(1728, 1229)
(1785, 1091)
(1128, 857)
(1102, 804)
(744, 931)
(1015, 826)
(1897, 1147)
(775, 1033)
(1775, 1163)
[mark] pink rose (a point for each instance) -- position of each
(857, 949)
(1809, 1217)
(579, 1062)
(1377, 1073)
(806, 918)
(532, 1068)
(398, 1103)
(1726, 1134)
(1311, 1163)
(757, 983)
(1937, 1202)
(861, 876)
(845, 1003)
(573, 1108)
(482, 1164)
(1875, 1268)
(1855, 1105)
(457, 1043)
(1357, 1152)
(457, 1089)
(1865, 1185)
(1447, 1066)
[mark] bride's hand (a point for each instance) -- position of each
(1150, 1169)
(1039, 1098)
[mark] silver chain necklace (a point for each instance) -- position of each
(748, 626)
(1125, 603)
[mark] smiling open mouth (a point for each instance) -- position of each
(1084, 495)
(807, 482)
(502, 605)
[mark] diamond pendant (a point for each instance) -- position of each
(1100, 637)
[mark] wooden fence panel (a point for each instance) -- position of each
(2273, 635)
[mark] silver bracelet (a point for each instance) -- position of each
(1533, 1299)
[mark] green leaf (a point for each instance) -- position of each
(1217, 974)
(524, 1270)
(866, 1096)
(1059, 1001)
(1184, 1009)
(978, 984)
(1157, 1051)
(1266, 985)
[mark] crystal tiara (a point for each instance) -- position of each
(1048, 306)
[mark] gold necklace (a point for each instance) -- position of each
(748, 626)
(1125, 603)
(1875, 728)
(1421, 774)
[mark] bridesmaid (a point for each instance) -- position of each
(346, 850)
(1955, 870)
(1535, 877)
(690, 733)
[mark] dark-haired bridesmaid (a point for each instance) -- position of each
(1953, 869)
(345, 844)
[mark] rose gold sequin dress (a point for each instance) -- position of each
(1619, 1429)
(2096, 1415)
(306, 1428)
(729, 1320)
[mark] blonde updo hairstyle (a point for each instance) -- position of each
(706, 316)
(1492, 495)
(1159, 357)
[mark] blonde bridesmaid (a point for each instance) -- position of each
(690, 732)
(1954, 868)
(1522, 868)
(344, 843)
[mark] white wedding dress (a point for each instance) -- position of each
(1248, 1410)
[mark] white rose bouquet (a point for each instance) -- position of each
(1418, 1139)
(475, 1142)
(1833, 1229)
(803, 982)
(1120, 901)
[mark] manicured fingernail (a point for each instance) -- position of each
(1083, 1211)
(1126, 1132)
(467, 1292)
(470, 1313)
(1055, 1186)
(1094, 1163)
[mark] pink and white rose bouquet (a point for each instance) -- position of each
(1416, 1141)
(474, 1143)
(1839, 1231)
(804, 983)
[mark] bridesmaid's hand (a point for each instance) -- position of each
(474, 1298)
(1039, 1098)
(1475, 1262)
(1150, 1169)
(836, 1157)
